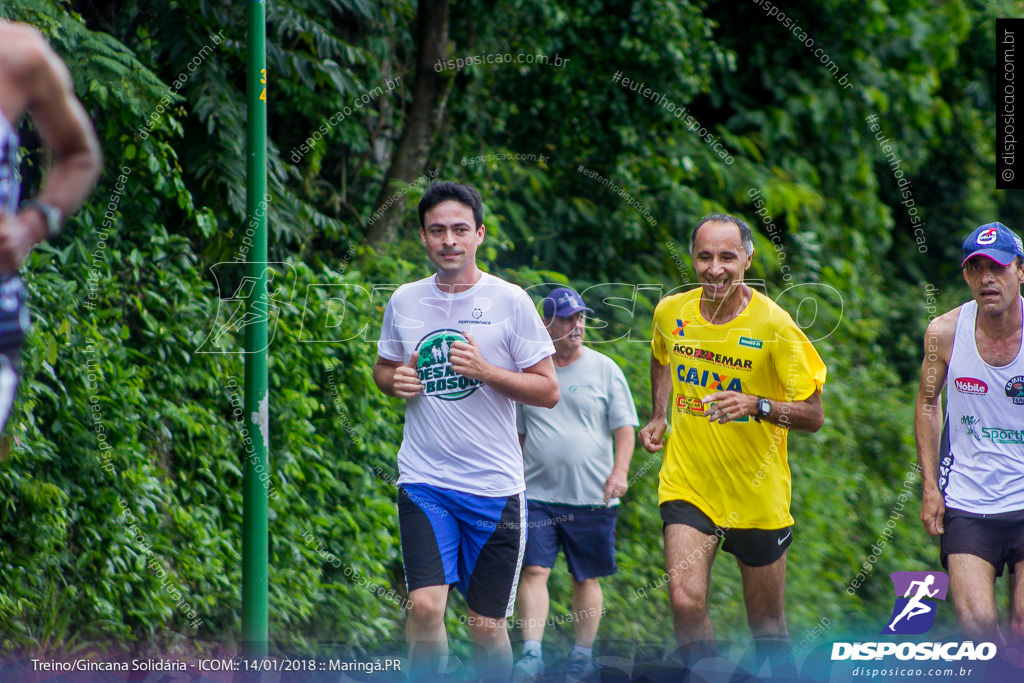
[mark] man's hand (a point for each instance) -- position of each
(653, 435)
(467, 360)
(729, 405)
(405, 381)
(615, 486)
(18, 234)
(933, 508)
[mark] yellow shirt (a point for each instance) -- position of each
(736, 473)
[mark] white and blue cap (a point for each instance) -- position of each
(563, 302)
(995, 241)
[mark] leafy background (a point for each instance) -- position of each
(156, 348)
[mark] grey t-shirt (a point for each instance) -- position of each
(569, 450)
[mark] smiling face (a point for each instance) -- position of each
(451, 239)
(995, 287)
(720, 260)
(567, 333)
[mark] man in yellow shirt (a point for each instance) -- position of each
(737, 373)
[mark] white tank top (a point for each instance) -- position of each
(8, 166)
(982, 469)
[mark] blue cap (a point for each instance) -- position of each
(995, 241)
(563, 302)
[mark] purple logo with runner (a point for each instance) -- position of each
(914, 612)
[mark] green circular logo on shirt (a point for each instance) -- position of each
(434, 370)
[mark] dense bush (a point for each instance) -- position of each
(121, 475)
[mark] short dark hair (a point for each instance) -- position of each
(745, 235)
(445, 191)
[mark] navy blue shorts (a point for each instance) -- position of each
(586, 534)
(475, 542)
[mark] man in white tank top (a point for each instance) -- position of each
(972, 459)
(34, 80)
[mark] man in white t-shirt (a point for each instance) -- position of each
(577, 460)
(972, 462)
(461, 347)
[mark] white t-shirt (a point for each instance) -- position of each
(569, 450)
(461, 434)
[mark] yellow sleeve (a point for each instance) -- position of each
(658, 348)
(797, 363)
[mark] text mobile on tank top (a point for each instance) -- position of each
(984, 467)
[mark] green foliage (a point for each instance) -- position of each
(122, 486)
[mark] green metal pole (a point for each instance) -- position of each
(255, 628)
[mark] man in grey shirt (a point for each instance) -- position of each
(577, 459)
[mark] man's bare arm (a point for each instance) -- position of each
(617, 483)
(36, 80)
(806, 416)
(938, 347)
(652, 435)
(65, 129)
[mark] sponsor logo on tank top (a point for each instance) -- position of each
(1015, 390)
(1000, 435)
(970, 424)
(435, 371)
(969, 385)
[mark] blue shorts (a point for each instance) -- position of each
(586, 534)
(475, 542)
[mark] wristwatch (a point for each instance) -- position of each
(51, 214)
(764, 409)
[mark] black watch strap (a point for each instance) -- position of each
(761, 413)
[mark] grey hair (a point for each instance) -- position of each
(745, 235)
